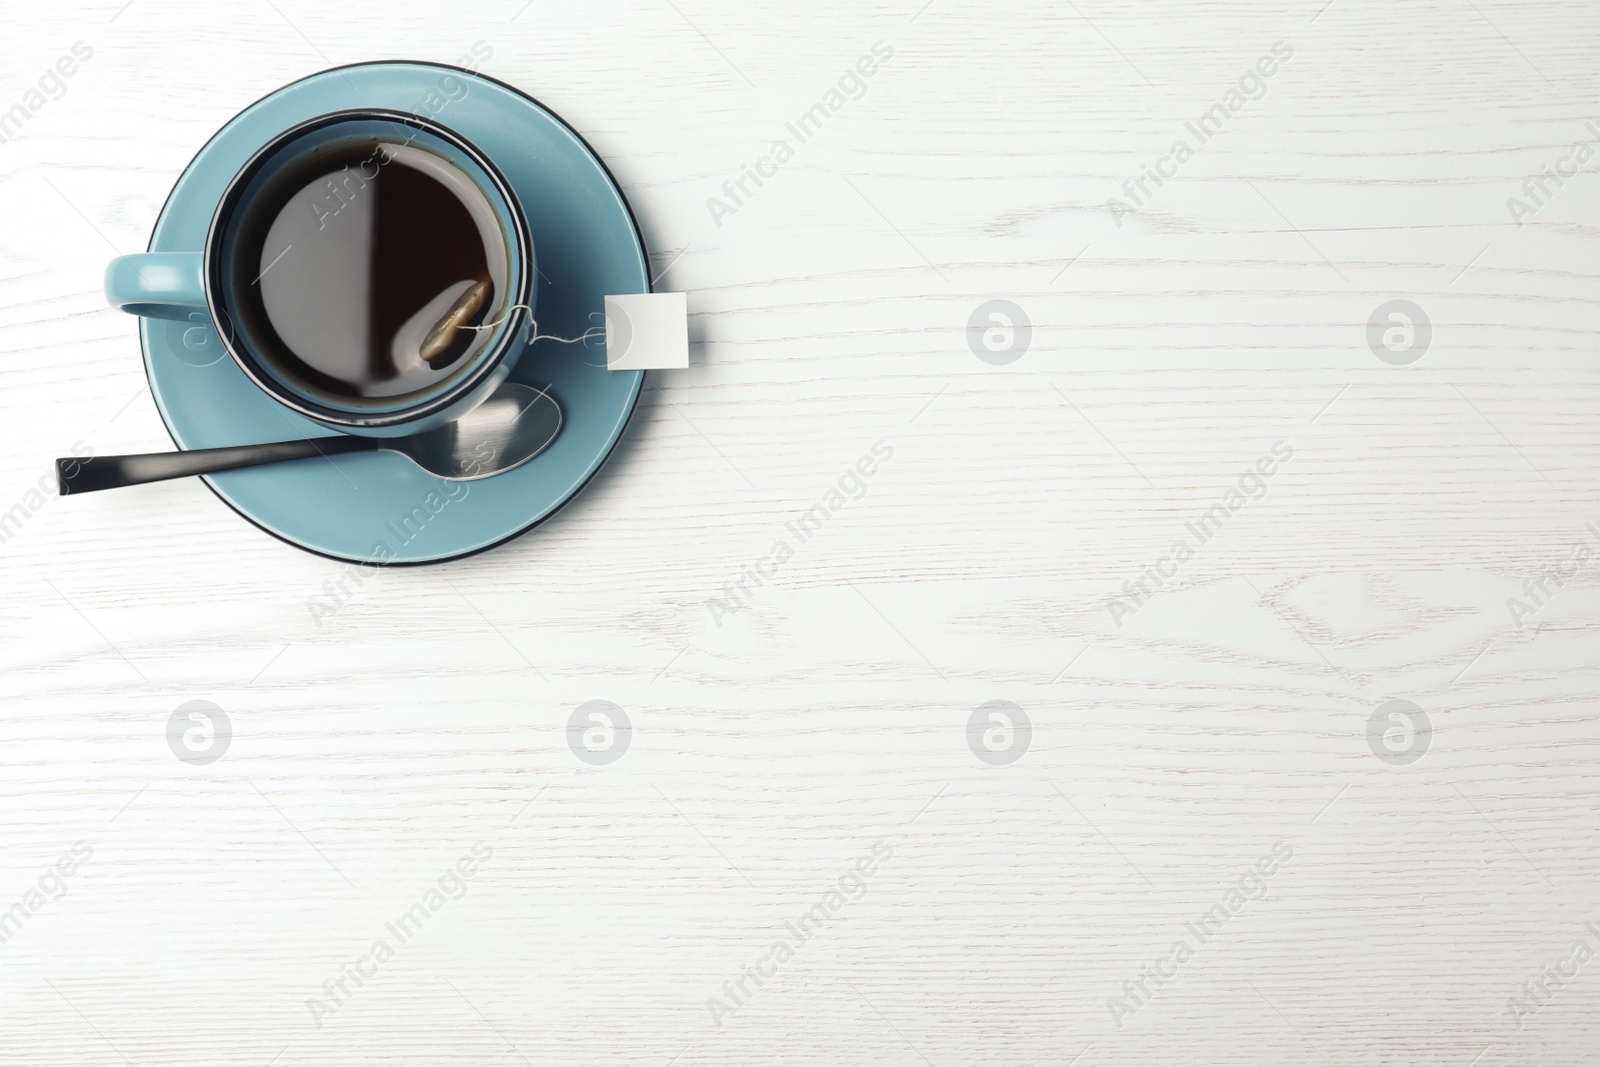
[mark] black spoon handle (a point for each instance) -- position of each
(110, 472)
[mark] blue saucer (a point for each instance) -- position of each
(376, 507)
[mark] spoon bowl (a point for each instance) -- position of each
(515, 424)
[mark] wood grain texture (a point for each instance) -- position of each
(774, 746)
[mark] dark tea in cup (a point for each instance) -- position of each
(363, 265)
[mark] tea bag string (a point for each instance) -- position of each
(534, 323)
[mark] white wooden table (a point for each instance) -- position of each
(1021, 910)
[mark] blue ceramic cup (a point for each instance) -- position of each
(217, 279)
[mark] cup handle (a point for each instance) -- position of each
(160, 285)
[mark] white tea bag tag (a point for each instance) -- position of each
(647, 331)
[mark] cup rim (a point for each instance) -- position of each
(489, 362)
